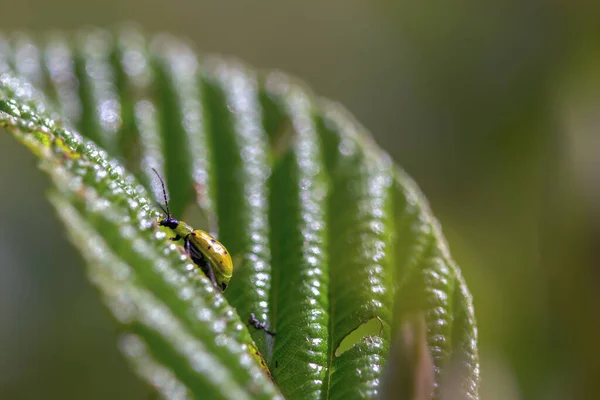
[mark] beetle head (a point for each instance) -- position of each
(169, 222)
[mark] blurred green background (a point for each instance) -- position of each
(492, 106)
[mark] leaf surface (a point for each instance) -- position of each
(330, 239)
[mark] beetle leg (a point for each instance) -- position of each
(259, 325)
(211, 275)
(187, 245)
(176, 238)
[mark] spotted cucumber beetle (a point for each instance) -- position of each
(204, 250)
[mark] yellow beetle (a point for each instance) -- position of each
(204, 250)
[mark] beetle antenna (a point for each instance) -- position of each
(164, 190)
(161, 207)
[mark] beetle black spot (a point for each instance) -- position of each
(225, 252)
(213, 241)
(209, 247)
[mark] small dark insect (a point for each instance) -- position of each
(259, 325)
(276, 364)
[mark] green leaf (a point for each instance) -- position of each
(333, 245)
